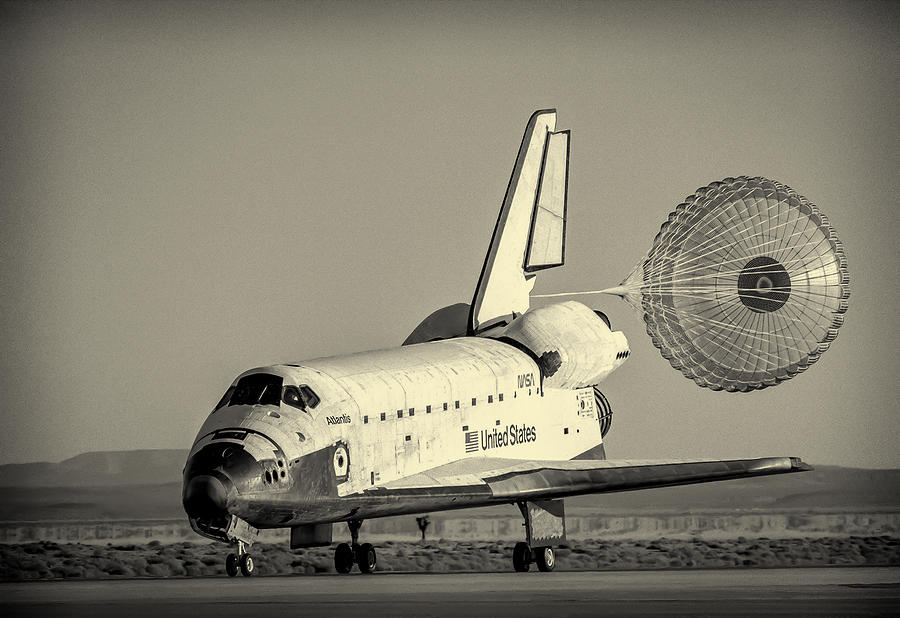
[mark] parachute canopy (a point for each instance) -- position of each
(745, 285)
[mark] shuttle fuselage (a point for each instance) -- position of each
(372, 418)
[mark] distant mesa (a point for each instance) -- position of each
(99, 469)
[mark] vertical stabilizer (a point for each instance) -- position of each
(531, 230)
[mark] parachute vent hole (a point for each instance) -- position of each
(764, 285)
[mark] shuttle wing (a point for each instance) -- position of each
(531, 229)
(490, 481)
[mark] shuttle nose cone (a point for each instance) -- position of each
(205, 496)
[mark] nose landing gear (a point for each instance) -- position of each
(242, 561)
(362, 555)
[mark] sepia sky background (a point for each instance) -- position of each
(191, 190)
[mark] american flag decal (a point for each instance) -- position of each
(471, 441)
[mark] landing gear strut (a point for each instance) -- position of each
(362, 555)
(242, 561)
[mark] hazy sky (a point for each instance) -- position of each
(192, 190)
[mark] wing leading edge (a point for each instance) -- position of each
(486, 481)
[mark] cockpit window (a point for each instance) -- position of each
(291, 397)
(309, 396)
(272, 395)
(225, 398)
(257, 388)
(302, 397)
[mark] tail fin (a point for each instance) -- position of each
(531, 230)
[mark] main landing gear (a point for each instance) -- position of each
(545, 526)
(362, 555)
(242, 561)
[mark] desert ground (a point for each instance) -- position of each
(47, 560)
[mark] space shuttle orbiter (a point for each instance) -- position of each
(488, 403)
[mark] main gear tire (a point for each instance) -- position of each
(231, 565)
(343, 558)
(365, 558)
(545, 558)
(521, 557)
(247, 566)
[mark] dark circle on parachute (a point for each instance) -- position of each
(764, 285)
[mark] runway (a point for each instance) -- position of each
(769, 592)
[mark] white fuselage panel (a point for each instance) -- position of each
(402, 411)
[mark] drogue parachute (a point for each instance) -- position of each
(745, 285)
